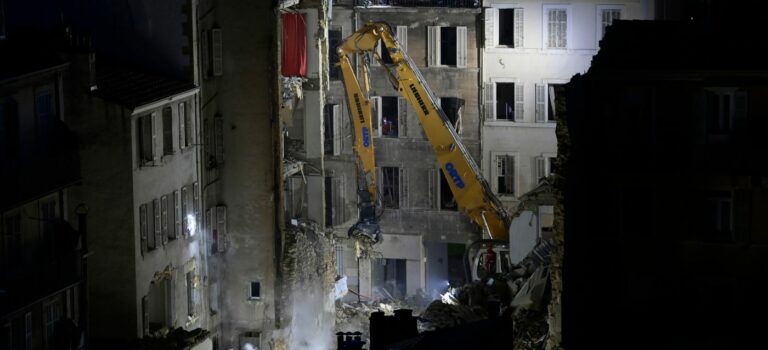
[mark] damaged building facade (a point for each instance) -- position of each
(530, 50)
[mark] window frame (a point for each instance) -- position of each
(497, 26)
(433, 49)
(495, 97)
(599, 30)
(547, 83)
(545, 26)
(494, 174)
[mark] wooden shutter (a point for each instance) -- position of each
(218, 124)
(177, 217)
(518, 27)
(402, 37)
(519, 102)
(461, 47)
(221, 227)
(155, 144)
(182, 131)
(403, 190)
(337, 193)
(402, 117)
(433, 46)
(491, 20)
(541, 171)
(143, 228)
(204, 50)
(216, 46)
(377, 115)
(157, 222)
(210, 219)
(489, 100)
(185, 211)
(540, 103)
(164, 217)
(337, 130)
(433, 188)
(145, 313)
(196, 204)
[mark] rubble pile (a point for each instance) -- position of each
(309, 285)
(176, 338)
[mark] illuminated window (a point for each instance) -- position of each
(555, 27)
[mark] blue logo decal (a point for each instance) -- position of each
(366, 137)
(454, 175)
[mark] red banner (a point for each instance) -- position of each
(294, 52)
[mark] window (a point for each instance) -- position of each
(340, 261)
(167, 131)
(545, 165)
(51, 314)
(546, 101)
(145, 134)
(725, 108)
(716, 213)
(605, 17)
(334, 201)
(504, 174)
(190, 277)
(28, 331)
(164, 217)
(186, 213)
(555, 28)
(510, 27)
(447, 46)
(401, 35)
(175, 217)
(143, 228)
(186, 136)
(507, 97)
(334, 40)
(48, 209)
(389, 276)
(216, 52)
(156, 225)
(447, 201)
(255, 291)
(44, 108)
(389, 117)
(452, 107)
(332, 130)
(390, 187)
(12, 239)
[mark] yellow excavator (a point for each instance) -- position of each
(470, 190)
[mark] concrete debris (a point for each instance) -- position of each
(440, 315)
(176, 338)
(531, 294)
(310, 281)
(530, 330)
(292, 89)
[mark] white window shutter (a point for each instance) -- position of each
(157, 222)
(182, 109)
(177, 217)
(461, 47)
(403, 187)
(337, 137)
(540, 167)
(519, 102)
(518, 25)
(740, 110)
(433, 46)
(217, 48)
(143, 227)
(196, 202)
(164, 217)
(209, 227)
(495, 173)
(376, 100)
(489, 100)
(155, 144)
(402, 37)
(373, 60)
(206, 65)
(402, 118)
(221, 227)
(218, 125)
(540, 103)
(433, 186)
(491, 20)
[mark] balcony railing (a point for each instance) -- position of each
(420, 3)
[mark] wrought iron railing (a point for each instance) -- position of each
(421, 3)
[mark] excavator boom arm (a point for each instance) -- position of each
(471, 192)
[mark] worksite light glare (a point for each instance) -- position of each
(192, 224)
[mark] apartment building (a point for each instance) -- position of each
(530, 49)
(42, 284)
(424, 235)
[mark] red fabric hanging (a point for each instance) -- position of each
(294, 45)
